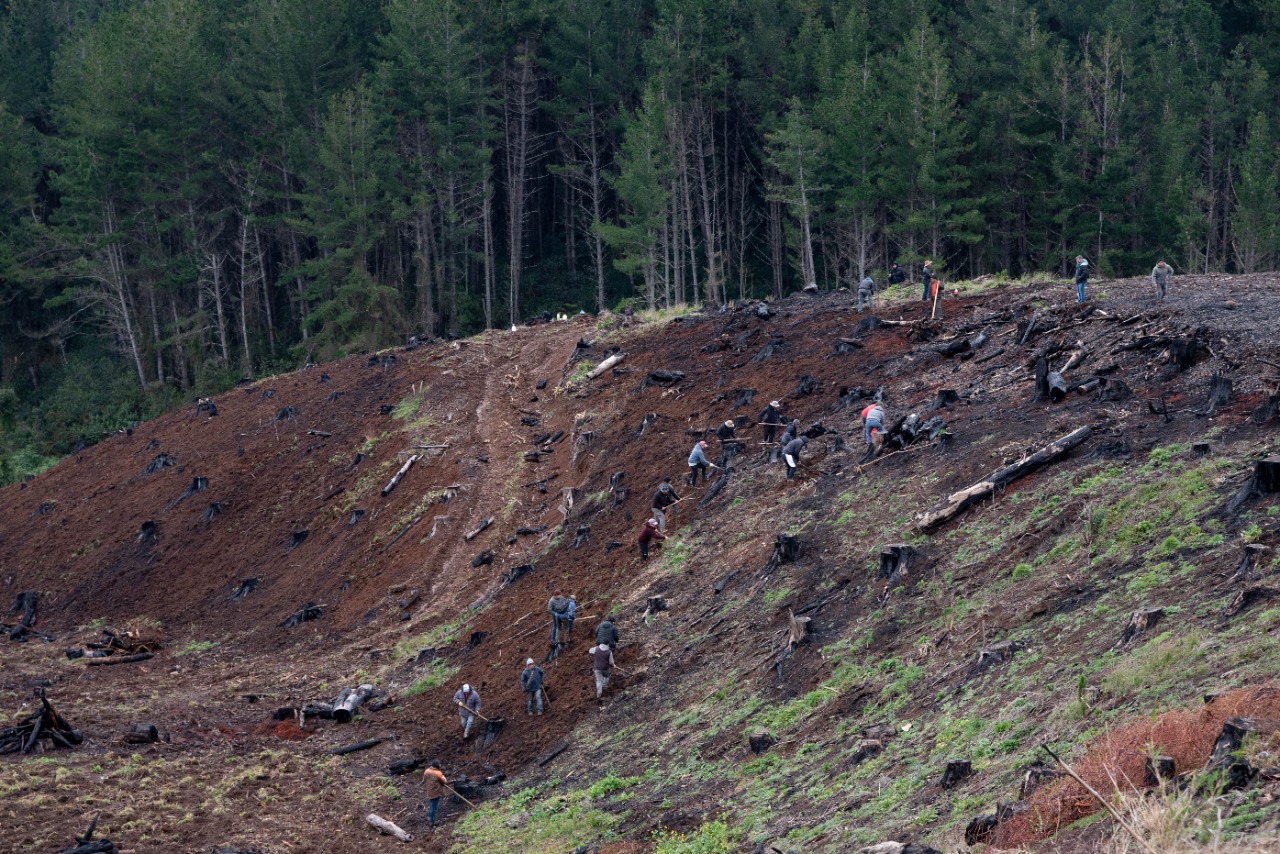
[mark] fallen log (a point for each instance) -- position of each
(605, 365)
(999, 351)
(958, 501)
(395, 480)
(118, 659)
(358, 746)
(480, 528)
(388, 827)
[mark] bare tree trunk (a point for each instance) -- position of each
(486, 216)
(776, 245)
(179, 357)
(247, 367)
(518, 109)
(224, 352)
(155, 334)
(120, 302)
(702, 133)
(266, 291)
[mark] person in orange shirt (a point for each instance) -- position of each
(436, 785)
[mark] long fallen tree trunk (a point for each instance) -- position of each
(391, 484)
(958, 501)
(605, 365)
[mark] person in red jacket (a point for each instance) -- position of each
(648, 533)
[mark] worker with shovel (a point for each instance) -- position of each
(771, 419)
(602, 666)
(531, 684)
(467, 699)
(698, 463)
(436, 786)
(662, 499)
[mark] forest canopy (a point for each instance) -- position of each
(196, 190)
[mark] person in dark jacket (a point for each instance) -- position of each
(866, 293)
(793, 430)
(662, 499)
(531, 684)
(649, 533)
(467, 699)
(602, 666)
(435, 788)
(698, 463)
(607, 632)
(1082, 276)
(926, 281)
(897, 275)
(791, 454)
(771, 418)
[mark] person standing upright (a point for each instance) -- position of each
(1082, 277)
(698, 463)
(771, 418)
(1160, 274)
(531, 684)
(926, 281)
(435, 787)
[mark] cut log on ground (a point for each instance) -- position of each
(605, 365)
(142, 734)
(388, 827)
(309, 611)
(119, 659)
(358, 746)
(958, 501)
(395, 480)
(471, 535)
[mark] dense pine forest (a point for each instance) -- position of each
(197, 190)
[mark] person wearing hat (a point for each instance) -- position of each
(649, 533)
(531, 684)
(602, 666)
(467, 699)
(729, 444)
(1082, 277)
(725, 431)
(926, 280)
(896, 274)
(771, 418)
(662, 499)
(698, 463)
(436, 786)
(866, 292)
(1160, 274)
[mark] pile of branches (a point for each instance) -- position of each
(43, 724)
(136, 643)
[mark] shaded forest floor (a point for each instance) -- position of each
(884, 690)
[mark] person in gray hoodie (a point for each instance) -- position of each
(467, 699)
(791, 454)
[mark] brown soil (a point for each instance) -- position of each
(274, 479)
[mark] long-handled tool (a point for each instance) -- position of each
(455, 791)
(471, 711)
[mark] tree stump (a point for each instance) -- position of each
(1266, 474)
(996, 654)
(957, 770)
(1159, 770)
(1141, 621)
(761, 741)
(895, 560)
(1219, 394)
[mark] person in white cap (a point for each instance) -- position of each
(602, 666)
(531, 684)
(649, 533)
(772, 419)
(467, 699)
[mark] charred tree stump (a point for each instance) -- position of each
(1248, 560)
(760, 741)
(956, 770)
(1159, 770)
(1226, 769)
(1182, 355)
(1266, 475)
(1056, 386)
(309, 611)
(662, 377)
(142, 734)
(786, 549)
(1219, 394)
(895, 560)
(344, 708)
(24, 604)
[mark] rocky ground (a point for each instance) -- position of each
(886, 687)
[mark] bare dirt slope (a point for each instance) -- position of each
(75, 535)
